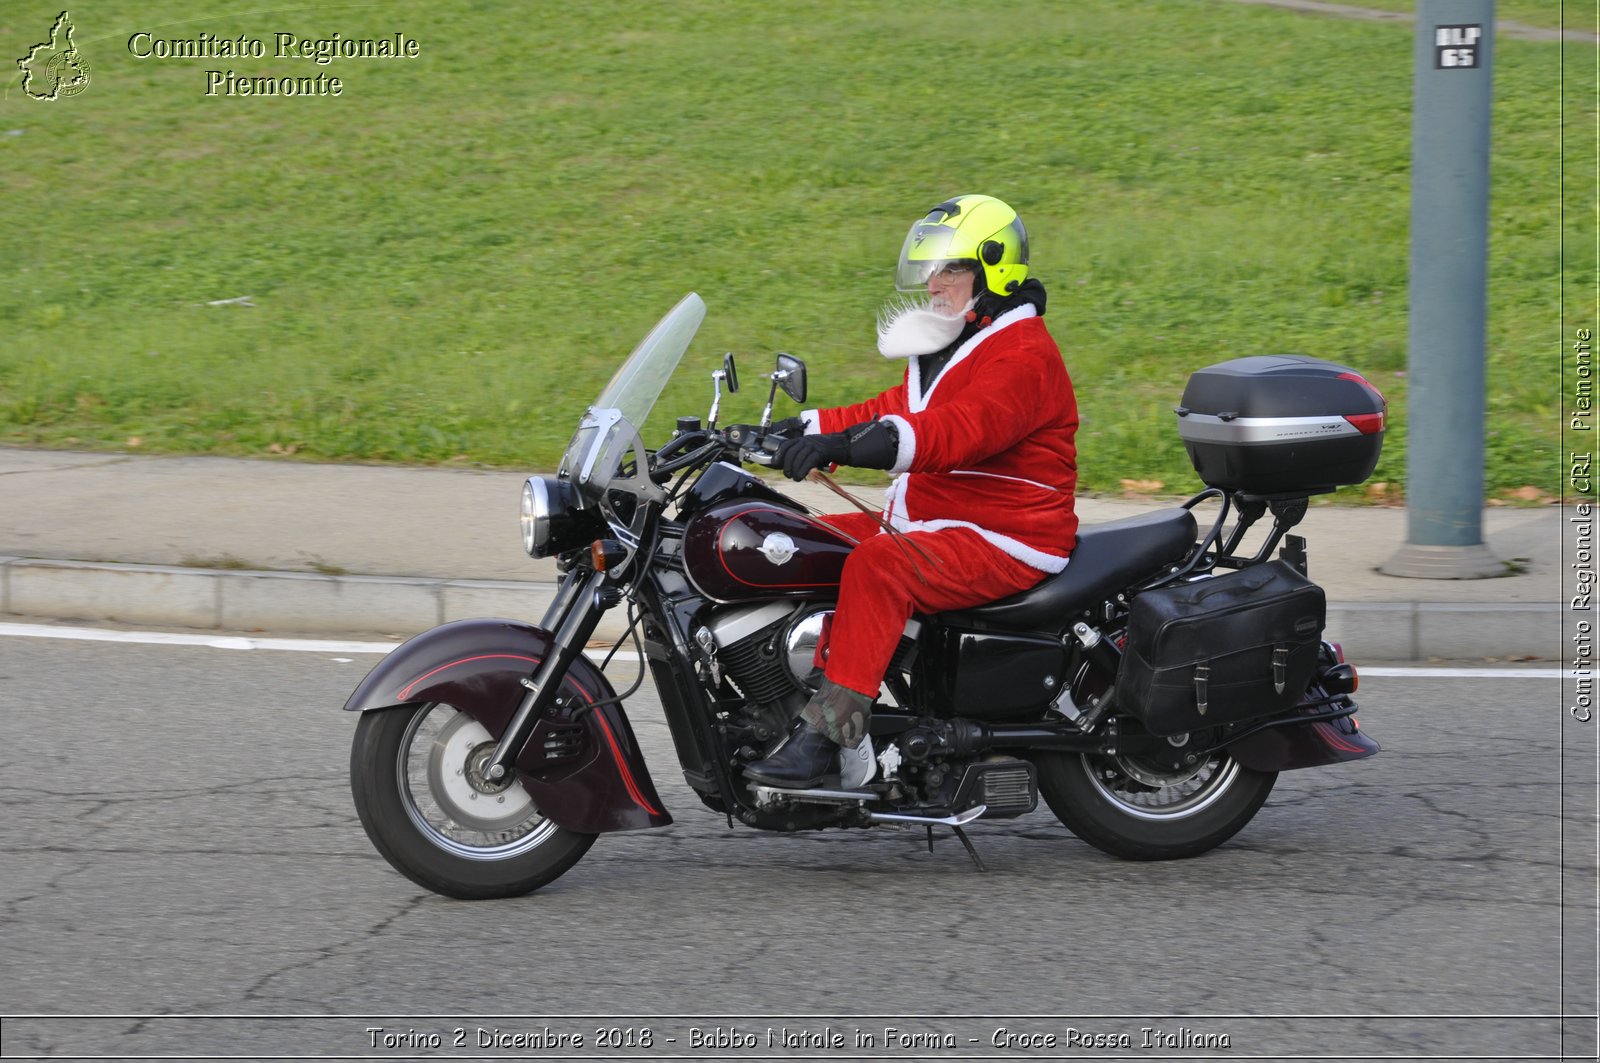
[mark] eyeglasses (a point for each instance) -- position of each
(952, 273)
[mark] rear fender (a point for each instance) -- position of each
(586, 774)
(1307, 744)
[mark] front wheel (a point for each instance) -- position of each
(414, 773)
(1142, 811)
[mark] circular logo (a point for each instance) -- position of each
(777, 548)
(70, 72)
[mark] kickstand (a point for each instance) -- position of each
(930, 838)
(967, 842)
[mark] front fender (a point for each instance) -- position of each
(586, 774)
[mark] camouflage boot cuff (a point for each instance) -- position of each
(839, 712)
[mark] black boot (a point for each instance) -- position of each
(802, 759)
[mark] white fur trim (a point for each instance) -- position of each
(916, 400)
(813, 421)
(1012, 547)
(907, 449)
(895, 511)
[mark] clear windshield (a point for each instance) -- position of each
(640, 380)
(612, 424)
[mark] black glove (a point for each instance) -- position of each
(798, 456)
(868, 445)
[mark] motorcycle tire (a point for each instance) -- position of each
(1139, 811)
(410, 777)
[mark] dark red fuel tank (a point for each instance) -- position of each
(742, 549)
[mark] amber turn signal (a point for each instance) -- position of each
(605, 554)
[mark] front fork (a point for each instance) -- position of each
(572, 618)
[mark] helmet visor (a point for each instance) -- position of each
(929, 249)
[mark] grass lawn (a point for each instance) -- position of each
(447, 261)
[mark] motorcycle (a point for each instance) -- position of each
(1151, 692)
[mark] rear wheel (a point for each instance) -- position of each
(1139, 810)
(415, 773)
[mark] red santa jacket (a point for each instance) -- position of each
(989, 446)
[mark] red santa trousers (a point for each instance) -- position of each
(880, 590)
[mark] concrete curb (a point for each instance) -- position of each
(1419, 631)
(245, 600)
(241, 600)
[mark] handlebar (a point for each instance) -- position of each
(675, 444)
(711, 444)
(751, 442)
(757, 445)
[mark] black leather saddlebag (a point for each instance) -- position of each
(1221, 650)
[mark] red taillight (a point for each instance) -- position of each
(1367, 423)
(1338, 651)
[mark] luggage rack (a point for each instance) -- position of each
(1207, 555)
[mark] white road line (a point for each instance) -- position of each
(1375, 672)
(170, 638)
(234, 642)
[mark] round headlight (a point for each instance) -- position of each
(551, 521)
(535, 516)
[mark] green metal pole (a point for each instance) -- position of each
(1452, 98)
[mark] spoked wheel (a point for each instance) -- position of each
(1139, 810)
(416, 774)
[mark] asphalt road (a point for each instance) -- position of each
(178, 840)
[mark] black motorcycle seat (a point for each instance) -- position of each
(1108, 558)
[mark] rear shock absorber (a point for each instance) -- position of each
(1100, 651)
(1104, 657)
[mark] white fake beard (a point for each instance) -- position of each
(909, 327)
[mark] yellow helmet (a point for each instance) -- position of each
(977, 231)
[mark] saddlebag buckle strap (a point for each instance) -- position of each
(1202, 675)
(1280, 668)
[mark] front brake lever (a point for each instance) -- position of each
(756, 445)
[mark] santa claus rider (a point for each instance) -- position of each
(979, 437)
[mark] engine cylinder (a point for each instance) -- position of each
(754, 666)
